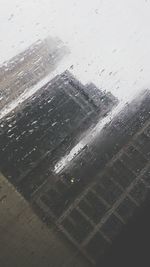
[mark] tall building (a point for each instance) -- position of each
(108, 187)
(91, 199)
(36, 135)
(29, 67)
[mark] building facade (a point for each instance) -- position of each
(41, 131)
(110, 189)
(29, 67)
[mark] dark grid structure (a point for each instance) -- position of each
(97, 216)
(90, 214)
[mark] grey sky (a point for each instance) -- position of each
(109, 39)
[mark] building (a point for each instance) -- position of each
(40, 132)
(105, 192)
(90, 201)
(29, 67)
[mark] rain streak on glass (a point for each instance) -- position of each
(74, 128)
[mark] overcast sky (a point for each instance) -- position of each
(109, 39)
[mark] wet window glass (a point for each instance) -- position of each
(74, 133)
